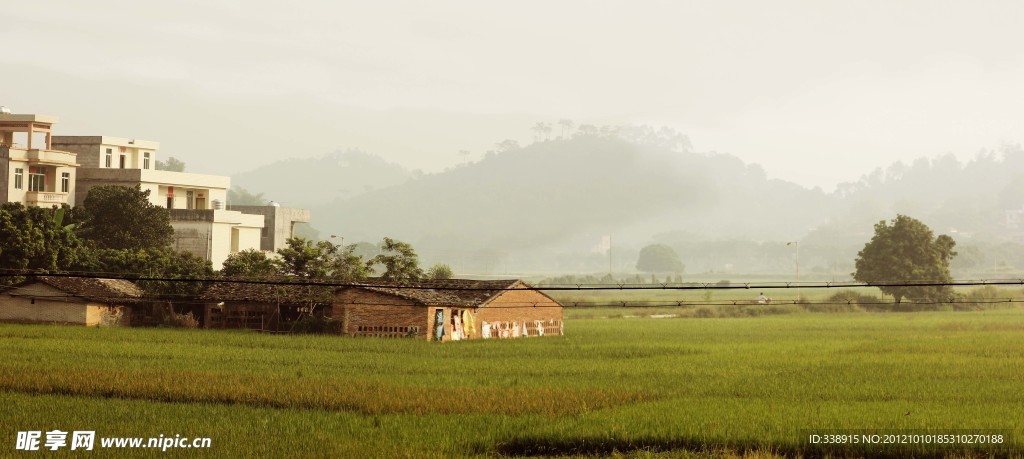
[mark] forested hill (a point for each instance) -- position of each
(568, 193)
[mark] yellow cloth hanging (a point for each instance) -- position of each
(468, 323)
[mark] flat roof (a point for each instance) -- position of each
(105, 140)
(42, 119)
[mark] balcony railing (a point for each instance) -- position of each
(54, 157)
(46, 197)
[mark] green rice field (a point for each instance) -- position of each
(638, 387)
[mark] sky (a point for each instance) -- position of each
(817, 92)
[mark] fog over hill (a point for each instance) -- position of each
(307, 182)
(548, 206)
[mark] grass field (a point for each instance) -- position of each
(588, 304)
(638, 387)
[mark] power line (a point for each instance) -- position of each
(421, 285)
(636, 304)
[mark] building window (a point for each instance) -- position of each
(65, 182)
(110, 157)
(145, 160)
(36, 179)
(122, 161)
(189, 200)
(19, 178)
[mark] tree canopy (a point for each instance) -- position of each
(118, 217)
(399, 260)
(32, 239)
(322, 260)
(172, 164)
(659, 258)
(249, 264)
(439, 271)
(905, 251)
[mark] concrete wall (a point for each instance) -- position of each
(86, 147)
(207, 240)
(92, 150)
(215, 234)
(213, 187)
(194, 238)
(278, 223)
(248, 238)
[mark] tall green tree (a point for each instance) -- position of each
(34, 239)
(344, 264)
(249, 264)
(905, 251)
(301, 258)
(399, 260)
(659, 258)
(118, 217)
(323, 260)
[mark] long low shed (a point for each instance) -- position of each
(448, 310)
(69, 300)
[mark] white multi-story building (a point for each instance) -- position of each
(196, 201)
(109, 160)
(33, 173)
(41, 169)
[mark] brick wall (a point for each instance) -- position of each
(518, 306)
(366, 313)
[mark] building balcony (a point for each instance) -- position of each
(45, 198)
(44, 157)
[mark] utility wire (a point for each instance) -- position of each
(419, 285)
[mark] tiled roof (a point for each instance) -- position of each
(94, 289)
(449, 292)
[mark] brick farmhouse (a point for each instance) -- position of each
(447, 310)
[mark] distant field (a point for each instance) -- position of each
(587, 304)
(641, 386)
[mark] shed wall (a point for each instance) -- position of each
(515, 307)
(365, 313)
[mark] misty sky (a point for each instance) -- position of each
(817, 92)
